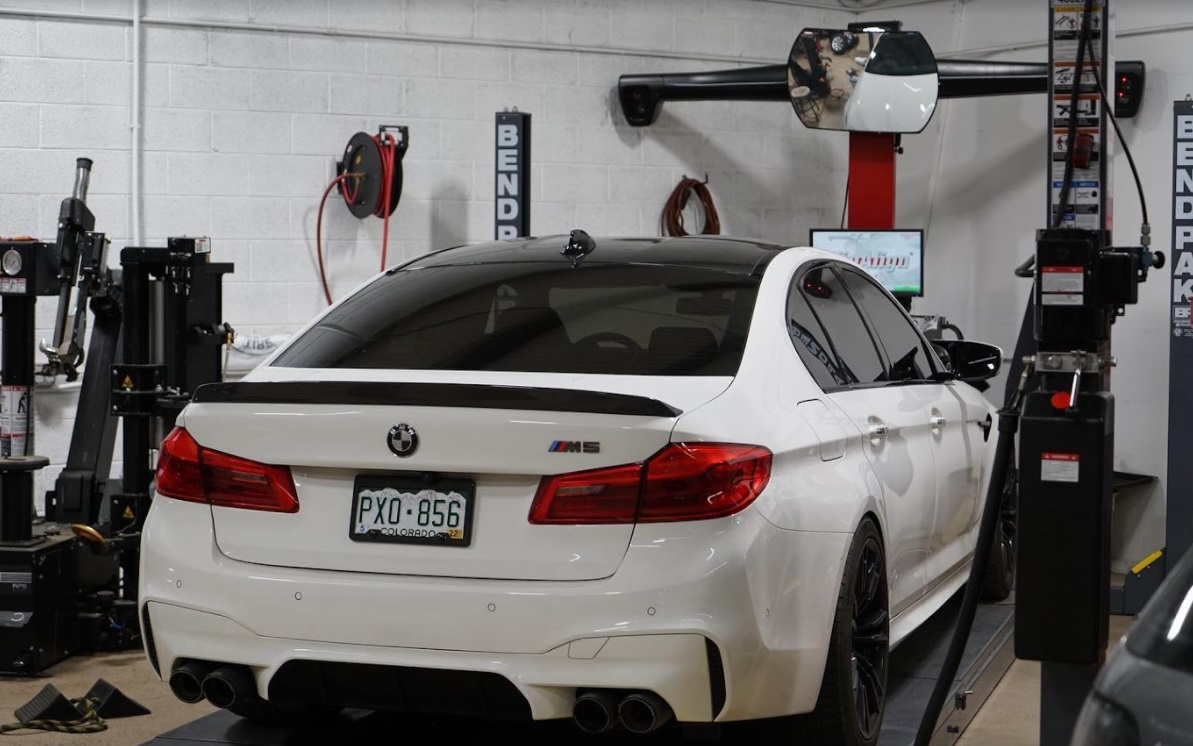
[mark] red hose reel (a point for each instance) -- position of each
(372, 171)
(369, 178)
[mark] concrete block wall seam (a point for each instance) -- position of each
(240, 130)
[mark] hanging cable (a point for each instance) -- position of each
(1109, 106)
(845, 203)
(677, 202)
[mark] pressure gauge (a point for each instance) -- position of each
(11, 262)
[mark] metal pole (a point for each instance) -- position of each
(135, 341)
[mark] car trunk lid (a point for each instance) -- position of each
(481, 447)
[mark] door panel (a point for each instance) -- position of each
(960, 456)
(898, 443)
(951, 422)
(839, 349)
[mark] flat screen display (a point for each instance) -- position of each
(895, 258)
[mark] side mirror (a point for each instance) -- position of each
(970, 361)
(863, 81)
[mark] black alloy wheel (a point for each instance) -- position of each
(999, 579)
(871, 638)
(1008, 521)
(852, 697)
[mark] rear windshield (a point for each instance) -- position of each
(614, 319)
(1163, 631)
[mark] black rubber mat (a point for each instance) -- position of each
(914, 667)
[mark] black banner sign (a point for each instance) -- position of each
(1180, 362)
(512, 183)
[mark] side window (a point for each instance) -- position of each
(812, 344)
(842, 324)
(904, 346)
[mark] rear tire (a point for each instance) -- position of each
(853, 691)
(999, 579)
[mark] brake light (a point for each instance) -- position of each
(687, 481)
(598, 496)
(682, 482)
(188, 471)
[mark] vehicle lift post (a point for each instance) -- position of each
(162, 364)
(1066, 440)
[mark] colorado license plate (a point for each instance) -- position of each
(412, 510)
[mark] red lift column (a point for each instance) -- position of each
(871, 181)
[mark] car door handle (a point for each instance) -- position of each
(878, 434)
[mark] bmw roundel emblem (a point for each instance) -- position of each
(403, 440)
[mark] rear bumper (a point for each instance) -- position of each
(649, 626)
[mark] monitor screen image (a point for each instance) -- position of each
(895, 258)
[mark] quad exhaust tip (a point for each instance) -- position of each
(595, 712)
(186, 682)
(227, 685)
(600, 711)
(643, 712)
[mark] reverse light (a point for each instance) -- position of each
(682, 482)
(188, 471)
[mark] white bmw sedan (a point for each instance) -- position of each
(630, 482)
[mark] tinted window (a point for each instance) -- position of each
(902, 53)
(847, 334)
(1163, 632)
(619, 319)
(904, 348)
(812, 343)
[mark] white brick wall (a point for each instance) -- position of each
(240, 129)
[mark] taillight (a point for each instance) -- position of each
(682, 482)
(188, 471)
(687, 481)
(597, 496)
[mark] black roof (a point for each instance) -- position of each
(736, 255)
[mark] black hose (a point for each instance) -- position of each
(1008, 426)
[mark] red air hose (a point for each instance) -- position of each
(341, 179)
(370, 182)
(388, 148)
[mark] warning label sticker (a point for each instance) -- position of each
(1060, 467)
(1087, 111)
(1062, 299)
(1062, 280)
(15, 403)
(13, 285)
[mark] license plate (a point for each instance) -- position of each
(412, 510)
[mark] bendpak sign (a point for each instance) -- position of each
(1180, 362)
(512, 184)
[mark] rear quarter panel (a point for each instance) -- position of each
(761, 407)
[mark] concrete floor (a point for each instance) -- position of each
(1010, 718)
(129, 672)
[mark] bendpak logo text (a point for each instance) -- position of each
(575, 446)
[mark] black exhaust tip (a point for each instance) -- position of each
(186, 681)
(643, 712)
(227, 685)
(595, 712)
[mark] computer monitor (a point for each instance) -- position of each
(894, 257)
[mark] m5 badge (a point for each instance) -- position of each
(575, 446)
